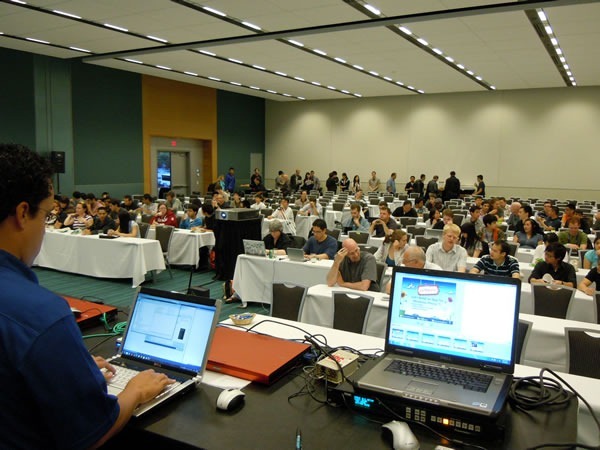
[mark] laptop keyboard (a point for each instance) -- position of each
(123, 375)
(469, 380)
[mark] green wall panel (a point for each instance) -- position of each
(17, 115)
(107, 127)
(241, 131)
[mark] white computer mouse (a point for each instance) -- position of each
(399, 435)
(230, 399)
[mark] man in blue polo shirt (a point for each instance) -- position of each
(54, 393)
(320, 245)
(498, 262)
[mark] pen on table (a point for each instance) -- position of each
(298, 439)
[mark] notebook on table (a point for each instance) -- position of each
(450, 340)
(170, 333)
(254, 248)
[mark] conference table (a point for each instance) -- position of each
(123, 257)
(185, 245)
(269, 419)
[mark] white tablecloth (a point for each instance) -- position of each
(185, 245)
(102, 258)
(304, 225)
(587, 387)
(254, 275)
(318, 308)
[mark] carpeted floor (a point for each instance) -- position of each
(118, 292)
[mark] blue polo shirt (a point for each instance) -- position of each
(53, 395)
(329, 246)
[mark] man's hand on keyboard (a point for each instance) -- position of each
(109, 369)
(148, 384)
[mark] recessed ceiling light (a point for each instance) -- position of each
(423, 41)
(542, 16)
(548, 29)
(558, 51)
(420, 91)
(281, 74)
(340, 60)
(358, 67)
(297, 43)
(115, 27)
(357, 95)
(135, 61)
(299, 78)
(206, 52)
(387, 79)
(470, 72)
(80, 49)
(214, 78)
(554, 41)
(286, 95)
(300, 98)
(372, 72)
(39, 41)
(214, 11)
(254, 87)
(316, 83)
(154, 38)
(251, 25)
(190, 73)
(258, 67)
(331, 87)
(235, 83)
(373, 9)
(345, 91)
(272, 92)
(449, 59)
(233, 60)
(62, 13)
(460, 66)
(320, 52)
(405, 30)
(18, 1)
(437, 50)
(493, 87)
(164, 67)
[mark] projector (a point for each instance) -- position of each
(237, 214)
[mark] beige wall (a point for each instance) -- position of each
(541, 142)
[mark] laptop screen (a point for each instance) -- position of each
(453, 317)
(170, 329)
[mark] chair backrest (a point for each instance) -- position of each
(380, 274)
(406, 221)
(338, 206)
(288, 301)
(388, 198)
(522, 337)
(582, 256)
(415, 230)
(298, 241)
(164, 234)
(374, 201)
(266, 212)
(334, 233)
(368, 248)
(458, 219)
(361, 237)
(144, 227)
(583, 352)
(425, 216)
(146, 218)
(351, 312)
(596, 305)
(551, 300)
(512, 247)
(425, 242)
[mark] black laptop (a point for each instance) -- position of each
(450, 340)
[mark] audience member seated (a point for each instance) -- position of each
(596, 225)
(476, 219)
(551, 220)
(448, 254)
(102, 223)
(498, 262)
(277, 239)
(406, 210)
(219, 202)
(583, 222)
(393, 248)
(574, 238)
(384, 225)
(469, 240)
(285, 214)
(164, 216)
(414, 256)
(258, 202)
(127, 227)
(568, 214)
(309, 183)
(420, 206)
(513, 218)
(219, 190)
(353, 269)
(313, 208)
(173, 203)
(491, 232)
(356, 222)
(236, 200)
(192, 220)
(591, 256)
(93, 204)
(320, 245)
(525, 212)
(592, 277)
(257, 186)
(303, 200)
(561, 272)
(528, 238)
(52, 217)
(148, 206)
(130, 204)
(447, 219)
(208, 216)
(115, 209)
(80, 219)
(435, 216)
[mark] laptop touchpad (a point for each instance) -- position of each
(421, 388)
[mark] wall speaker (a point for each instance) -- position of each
(58, 161)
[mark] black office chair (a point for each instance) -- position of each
(288, 301)
(551, 300)
(351, 311)
(415, 230)
(361, 237)
(368, 248)
(425, 242)
(146, 218)
(334, 233)
(583, 352)
(406, 221)
(513, 246)
(144, 228)
(523, 331)
(596, 305)
(163, 236)
(298, 241)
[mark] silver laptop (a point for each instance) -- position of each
(296, 254)
(446, 326)
(168, 332)
(254, 248)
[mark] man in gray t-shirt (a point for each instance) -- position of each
(353, 269)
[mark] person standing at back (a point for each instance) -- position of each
(452, 187)
(55, 394)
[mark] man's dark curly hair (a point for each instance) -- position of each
(25, 176)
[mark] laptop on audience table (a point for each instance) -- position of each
(295, 254)
(254, 248)
(450, 340)
(170, 333)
